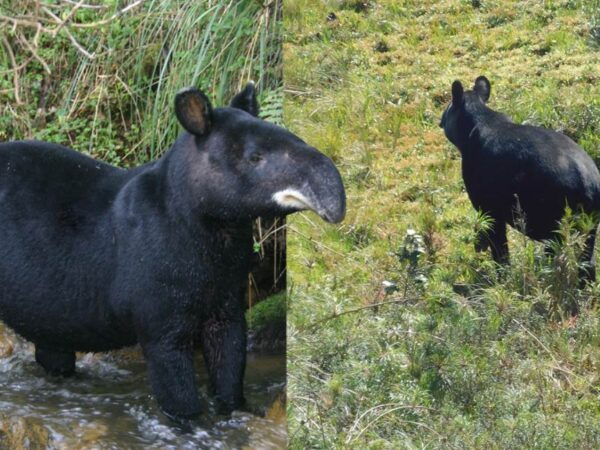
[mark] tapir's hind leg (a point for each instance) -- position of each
(482, 242)
(587, 271)
(56, 362)
(497, 241)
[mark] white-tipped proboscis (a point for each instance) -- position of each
(292, 198)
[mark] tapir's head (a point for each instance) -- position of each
(238, 167)
(457, 120)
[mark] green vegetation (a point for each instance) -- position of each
(460, 353)
(266, 313)
(267, 323)
(101, 79)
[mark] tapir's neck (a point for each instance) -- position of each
(485, 117)
(479, 125)
(190, 209)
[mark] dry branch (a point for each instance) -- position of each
(362, 308)
(52, 25)
(13, 62)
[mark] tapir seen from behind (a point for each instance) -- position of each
(520, 172)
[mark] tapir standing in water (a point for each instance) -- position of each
(512, 170)
(95, 258)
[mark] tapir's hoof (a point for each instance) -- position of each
(56, 362)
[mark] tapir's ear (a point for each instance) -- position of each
(457, 93)
(483, 88)
(246, 100)
(193, 111)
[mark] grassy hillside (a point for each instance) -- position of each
(460, 354)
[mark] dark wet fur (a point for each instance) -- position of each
(519, 173)
(94, 258)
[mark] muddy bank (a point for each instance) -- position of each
(267, 325)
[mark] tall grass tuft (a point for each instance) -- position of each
(103, 80)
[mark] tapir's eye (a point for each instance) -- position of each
(255, 158)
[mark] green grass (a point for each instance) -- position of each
(465, 355)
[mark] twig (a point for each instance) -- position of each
(354, 310)
(68, 18)
(556, 362)
(110, 19)
(22, 66)
(20, 21)
(385, 413)
(61, 24)
(266, 236)
(13, 62)
(33, 52)
(310, 239)
(85, 6)
(382, 405)
(535, 338)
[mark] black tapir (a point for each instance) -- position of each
(512, 169)
(94, 257)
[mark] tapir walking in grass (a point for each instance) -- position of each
(94, 258)
(512, 170)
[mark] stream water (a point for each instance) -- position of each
(107, 404)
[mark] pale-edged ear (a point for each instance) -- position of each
(457, 93)
(193, 110)
(482, 88)
(246, 100)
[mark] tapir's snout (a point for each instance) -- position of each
(321, 189)
(326, 190)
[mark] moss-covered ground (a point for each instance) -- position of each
(461, 354)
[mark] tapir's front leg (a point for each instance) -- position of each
(481, 240)
(223, 337)
(172, 378)
(494, 237)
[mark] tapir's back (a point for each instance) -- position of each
(551, 165)
(543, 169)
(45, 176)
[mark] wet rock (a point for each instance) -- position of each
(6, 347)
(18, 433)
(88, 436)
(6, 343)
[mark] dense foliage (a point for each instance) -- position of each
(101, 77)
